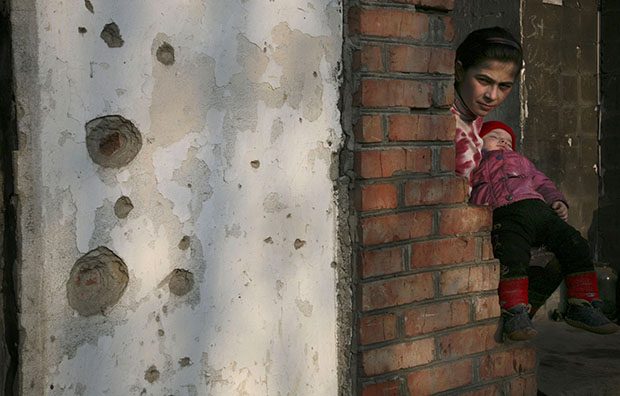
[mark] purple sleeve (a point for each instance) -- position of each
(545, 187)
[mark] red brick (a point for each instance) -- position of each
(377, 329)
(385, 163)
(433, 317)
(390, 23)
(444, 94)
(397, 291)
(436, 191)
(354, 16)
(467, 342)
(390, 93)
(382, 262)
(486, 307)
(377, 196)
(487, 248)
(438, 4)
(408, 59)
(505, 363)
(465, 220)
(398, 227)
(397, 357)
(369, 58)
(389, 388)
(469, 279)
(442, 61)
(439, 379)
(492, 390)
(369, 130)
(443, 251)
(523, 386)
(448, 159)
(449, 30)
(422, 127)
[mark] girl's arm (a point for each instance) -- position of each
(545, 187)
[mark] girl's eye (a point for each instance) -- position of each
(505, 87)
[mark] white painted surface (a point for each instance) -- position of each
(252, 80)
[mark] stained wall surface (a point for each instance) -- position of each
(178, 218)
(561, 124)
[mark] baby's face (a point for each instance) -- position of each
(497, 139)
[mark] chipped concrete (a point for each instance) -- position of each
(111, 34)
(260, 318)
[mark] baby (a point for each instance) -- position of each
(529, 210)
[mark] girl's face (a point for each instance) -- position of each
(485, 86)
(497, 139)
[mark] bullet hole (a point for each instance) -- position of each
(164, 309)
(239, 186)
(165, 54)
(299, 244)
(329, 143)
(189, 185)
(122, 207)
(111, 34)
(314, 74)
(288, 216)
(184, 243)
(268, 240)
(255, 164)
(52, 338)
(157, 319)
(52, 386)
(184, 362)
(160, 332)
(82, 30)
(333, 264)
(181, 282)
(96, 282)
(300, 120)
(151, 374)
(89, 6)
(112, 141)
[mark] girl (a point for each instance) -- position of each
(487, 64)
(529, 210)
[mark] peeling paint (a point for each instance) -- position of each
(226, 184)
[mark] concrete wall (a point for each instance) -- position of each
(561, 127)
(213, 252)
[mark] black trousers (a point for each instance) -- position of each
(531, 223)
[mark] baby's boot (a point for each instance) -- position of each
(584, 304)
(588, 316)
(517, 323)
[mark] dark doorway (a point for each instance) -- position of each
(8, 242)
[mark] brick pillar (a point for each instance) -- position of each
(427, 303)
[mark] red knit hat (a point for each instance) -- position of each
(490, 125)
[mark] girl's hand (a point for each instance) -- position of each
(560, 209)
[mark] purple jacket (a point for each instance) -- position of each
(505, 177)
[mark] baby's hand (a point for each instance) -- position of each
(560, 209)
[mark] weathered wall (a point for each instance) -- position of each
(477, 14)
(228, 228)
(561, 126)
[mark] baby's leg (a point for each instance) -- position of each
(573, 252)
(512, 237)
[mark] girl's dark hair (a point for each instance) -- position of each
(494, 43)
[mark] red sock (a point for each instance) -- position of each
(512, 292)
(583, 286)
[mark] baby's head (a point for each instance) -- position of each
(497, 136)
